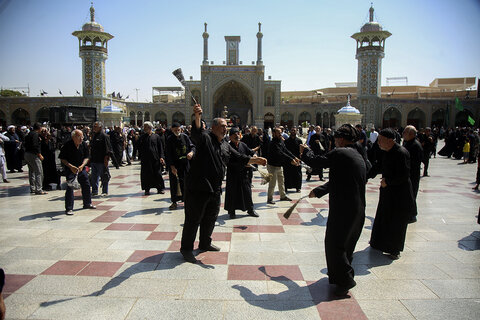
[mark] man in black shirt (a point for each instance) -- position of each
(415, 150)
(34, 158)
(204, 182)
(101, 150)
(74, 156)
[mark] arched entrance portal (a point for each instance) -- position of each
(21, 116)
(3, 119)
(438, 118)
(391, 118)
(238, 100)
(461, 118)
(268, 120)
(416, 118)
(43, 115)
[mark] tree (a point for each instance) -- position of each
(10, 93)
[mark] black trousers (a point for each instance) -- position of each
(201, 210)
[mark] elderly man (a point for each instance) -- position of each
(204, 182)
(74, 156)
(415, 150)
(396, 204)
(179, 152)
(152, 158)
(3, 161)
(346, 189)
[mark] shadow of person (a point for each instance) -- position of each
(14, 191)
(470, 242)
(52, 215)
(295, 297)
(371, 223)
(156, 211)
(369, 258)
(319, 220)
(158, 262)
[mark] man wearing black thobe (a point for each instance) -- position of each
(204, 182)
(346, 189)
(426, 140)
(238, 190)
(179, 152)
(415, 150)
(252, 140)
(151, 154)
(318, 145)
(396, 202)
(117, 141)
(293, 174)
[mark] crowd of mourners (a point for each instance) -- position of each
(197, 159)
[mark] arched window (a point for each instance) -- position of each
(147, 116)
(416, 118)
(286, 119)
(43, 115)
(161, 117)
(268, 120)
(304, 116)
(392, 118)
(20, 117)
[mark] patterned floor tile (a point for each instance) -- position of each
(66, 268)
(101, 269)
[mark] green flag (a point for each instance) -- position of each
(470, 120)
(458, 105)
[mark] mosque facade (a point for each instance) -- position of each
(253, 100)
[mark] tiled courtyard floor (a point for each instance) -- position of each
(121, 261)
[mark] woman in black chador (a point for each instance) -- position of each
(50, 174)
(151, 153)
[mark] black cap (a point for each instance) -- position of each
(175, 125)
(387, 133)
(347, 131)
(233, 131)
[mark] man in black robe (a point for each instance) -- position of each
(204, 182)
(426, 140)
(396, 203)
(252, 140)
(117, 142)
(238, 191)
(415, 150)
(346, 189)
(318, 144)
(151, 154)
(179, 152)
(293, 174)
(12, 150)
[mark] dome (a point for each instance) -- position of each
(111, 109)
(348, 109)
(371, 26)
(92, 26)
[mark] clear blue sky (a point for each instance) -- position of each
(306, 43)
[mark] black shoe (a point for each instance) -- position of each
(6, 181)
(232, 214)
(173, 206)
(20, 170)
(147, 192)
(12, 171)
(209, 248)
(285, 199)
(341, 291)
(90, 206)
(252, 213)
(321, 179)
(412, 220)
(298, 190)
(394, 256)
(270, 201)
(188, 256)
(160, 191)
(308, 178)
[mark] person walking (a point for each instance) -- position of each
(415, 151)
(34, 158)
(100, 150)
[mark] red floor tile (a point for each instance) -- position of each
(320, 205)
(175, 246)
(243, 228)
(221, 236)
(144, 227)
(293, 220)
(290, 272)
(242, 272)
(162, 236)
(101, 269)
(104, 207)
(213, 257)
(146, 256)
(13, 282)
(472, 195)
(116, 183)
(117, 199)
(96, 203)
(115, 213)
(306, 210)
(120, 226)
(66, 268)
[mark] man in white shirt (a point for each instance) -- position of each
(373, 135)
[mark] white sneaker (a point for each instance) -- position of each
(69, 213)
(104, 195)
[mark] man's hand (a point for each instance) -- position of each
(174, 170)
(303, 147)
(294, 162)
(311, 194)
(383, 184)
(197, 110)
(73, 169)
(40, 157)
(190, 155)
(260, 160)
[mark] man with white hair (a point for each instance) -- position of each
(74, 156)
(3, 161)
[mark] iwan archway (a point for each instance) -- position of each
(238, 100)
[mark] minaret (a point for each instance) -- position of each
(205, 46)
(92, 41)
(370, 52)
(259, 44)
